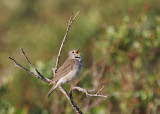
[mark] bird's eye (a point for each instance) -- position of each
(72, 51)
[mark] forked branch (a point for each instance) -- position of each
(88, 92)
(38, 75)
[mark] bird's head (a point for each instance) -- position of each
(74, 54)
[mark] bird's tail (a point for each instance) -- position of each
(51, 90)
(54, 87)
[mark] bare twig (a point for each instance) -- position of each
(38, 75)
(70, 99)
(21, 67)
(87, 92)
(64, 39)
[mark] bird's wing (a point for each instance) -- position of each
(64, 69)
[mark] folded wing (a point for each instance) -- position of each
(64, 69)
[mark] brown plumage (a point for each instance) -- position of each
(66, 67)
(69, 70)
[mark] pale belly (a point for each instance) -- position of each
(72, 75)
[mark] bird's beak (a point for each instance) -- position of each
(77, 51)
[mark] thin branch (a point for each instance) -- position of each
(40, 76)
(64, 39)
(21, 67)
(87, 92)
(70, 99)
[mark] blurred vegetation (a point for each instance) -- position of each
(123, 37)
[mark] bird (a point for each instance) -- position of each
(69, 71)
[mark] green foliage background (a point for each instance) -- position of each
(123, 35)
